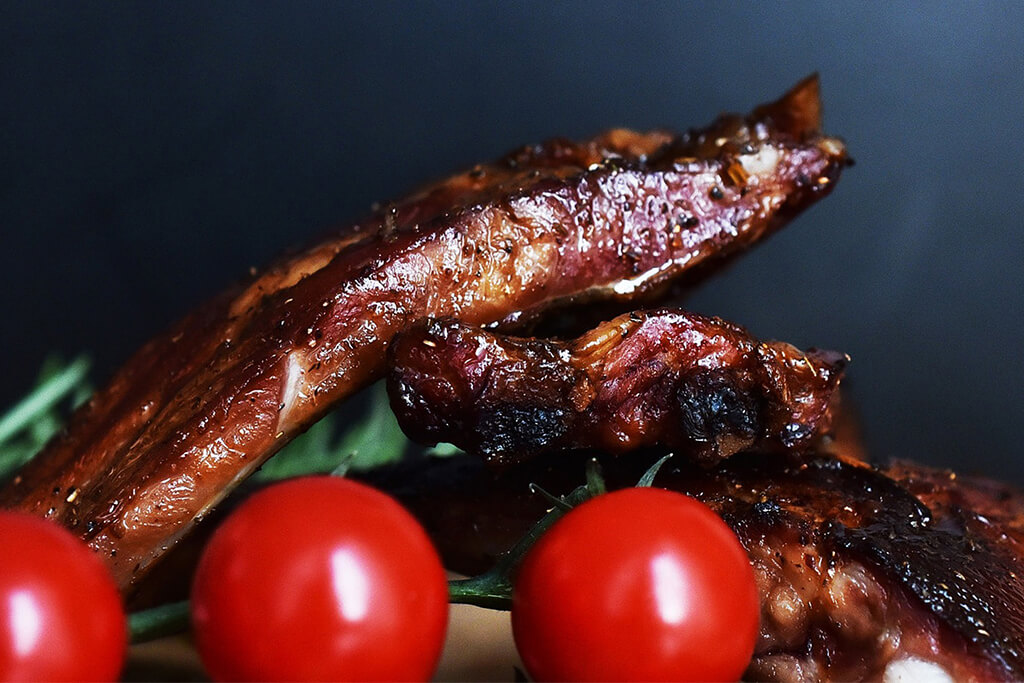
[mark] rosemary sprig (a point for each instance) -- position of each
(493, 588)
(30, 423)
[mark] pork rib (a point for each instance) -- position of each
(198, 409)
(861, 570)
(700, 385)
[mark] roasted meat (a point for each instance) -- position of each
(862, 571)
(198, 409)
(700, 385)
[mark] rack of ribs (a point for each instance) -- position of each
(617, 217)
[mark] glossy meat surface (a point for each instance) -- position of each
(198, 409)
(699, 385)
(859, 568)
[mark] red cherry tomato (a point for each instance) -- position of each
(640, 584)
(60, 612)
(320, 578)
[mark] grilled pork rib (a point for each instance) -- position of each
(700, 385)
(861, 570)
(197, 410)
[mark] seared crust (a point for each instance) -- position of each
(857, 566)
(197, 410)
(700, 385)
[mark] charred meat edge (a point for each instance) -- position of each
(700, 385)
(859, 567)
(197, 410)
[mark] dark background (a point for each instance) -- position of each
(151, 153)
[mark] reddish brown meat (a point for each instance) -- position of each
(197, 410)
(700, 385)
(858, 568)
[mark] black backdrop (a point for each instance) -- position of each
(151, 153)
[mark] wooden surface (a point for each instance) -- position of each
(479, 647)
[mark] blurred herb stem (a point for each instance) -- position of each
(30, 423)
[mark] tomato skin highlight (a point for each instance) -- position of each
(639, 584)
(61, 617)
(320, 578)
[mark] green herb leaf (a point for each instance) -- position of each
(376, 439)
(443, 450)
(30, 423)
(309, 453)
(648, 478)
(55, 385)
(595, 478)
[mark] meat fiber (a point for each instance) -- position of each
(199, 408)
(700, 385)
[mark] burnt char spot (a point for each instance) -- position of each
(958, 576)
(712, 406)
(964, 579)
(519, 430)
